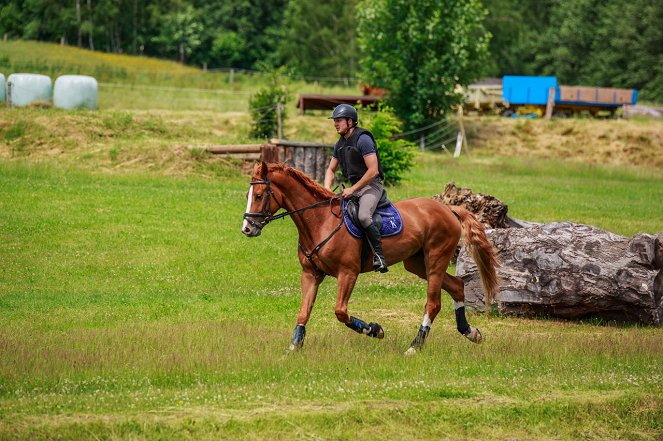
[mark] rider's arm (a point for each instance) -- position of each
(371, 162)
(331, 172)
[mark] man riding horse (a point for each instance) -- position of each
(356, 153)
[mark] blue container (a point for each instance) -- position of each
(527, 90)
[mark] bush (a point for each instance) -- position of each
(396, 155)
(264, 108)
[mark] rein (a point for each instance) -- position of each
(266, 216)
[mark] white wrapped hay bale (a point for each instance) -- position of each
(25, 89)
(3, 88)
(75, 92)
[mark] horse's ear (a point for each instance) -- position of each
(262, 170)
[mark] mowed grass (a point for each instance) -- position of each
(131, 307)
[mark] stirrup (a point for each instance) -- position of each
(379, 264)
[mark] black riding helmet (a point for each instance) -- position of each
(344, 111)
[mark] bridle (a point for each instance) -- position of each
(265, 216)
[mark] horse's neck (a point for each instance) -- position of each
(310, 222)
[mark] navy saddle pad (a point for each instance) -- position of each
(387, 217)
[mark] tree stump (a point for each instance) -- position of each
(573, 271)
(489, 210)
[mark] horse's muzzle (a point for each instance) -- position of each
(251, 231)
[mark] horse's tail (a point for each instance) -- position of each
(482, 252)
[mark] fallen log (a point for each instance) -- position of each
(489, 210)
(573, 271)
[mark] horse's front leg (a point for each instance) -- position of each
(346, 283)
(311, 280)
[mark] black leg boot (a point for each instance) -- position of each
(373, 235)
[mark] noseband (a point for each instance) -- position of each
(265, 216)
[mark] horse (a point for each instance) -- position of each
(431, 232)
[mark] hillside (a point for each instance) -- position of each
(144, 83)
(637, 142)
(151, 110)
(158, 140)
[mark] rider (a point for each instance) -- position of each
(356, 152)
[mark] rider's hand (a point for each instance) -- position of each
(347, 192)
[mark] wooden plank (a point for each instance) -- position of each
(298, 158)
(321, 163)
(231, 148)
(244, 156)
(270, 153)
(286, 143)
(309, 162)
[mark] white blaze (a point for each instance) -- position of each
(248, 207)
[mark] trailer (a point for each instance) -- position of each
(538, 96)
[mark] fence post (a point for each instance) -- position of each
(551, 102)
(422, 143)
(279, 120)
(462, 131)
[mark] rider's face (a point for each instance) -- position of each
(341, 125)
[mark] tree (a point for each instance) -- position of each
(180, 33)
(241, 33)
(420, 50)
(319, 39)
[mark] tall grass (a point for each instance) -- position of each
(132, 307)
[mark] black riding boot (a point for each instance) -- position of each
(373, 235)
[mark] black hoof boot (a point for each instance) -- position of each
(375, 330)
(418, 341)
(297, 338)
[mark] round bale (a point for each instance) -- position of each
(24, 89)
(75, 92)
(3, 88)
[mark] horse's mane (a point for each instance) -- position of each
(313, 187)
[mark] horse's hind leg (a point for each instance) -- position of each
(346, 283)
(455, 287)
(438, 280)
(433, 269)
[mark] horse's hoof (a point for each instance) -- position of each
(475, 335)
(375, 330)
(410, 352)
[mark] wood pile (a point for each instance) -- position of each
(310, 157)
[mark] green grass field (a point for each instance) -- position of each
(132, 307)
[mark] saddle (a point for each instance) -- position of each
(386, 217)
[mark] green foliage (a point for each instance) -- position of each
(608, 43)
(265, 106)
(396, 155)
(419, 51)
(179, 33)
(319, 38)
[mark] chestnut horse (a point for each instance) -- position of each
(431, 232)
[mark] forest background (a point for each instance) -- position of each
(605, 43)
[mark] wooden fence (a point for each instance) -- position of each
(310, 157)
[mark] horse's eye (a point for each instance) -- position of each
(258, 197)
